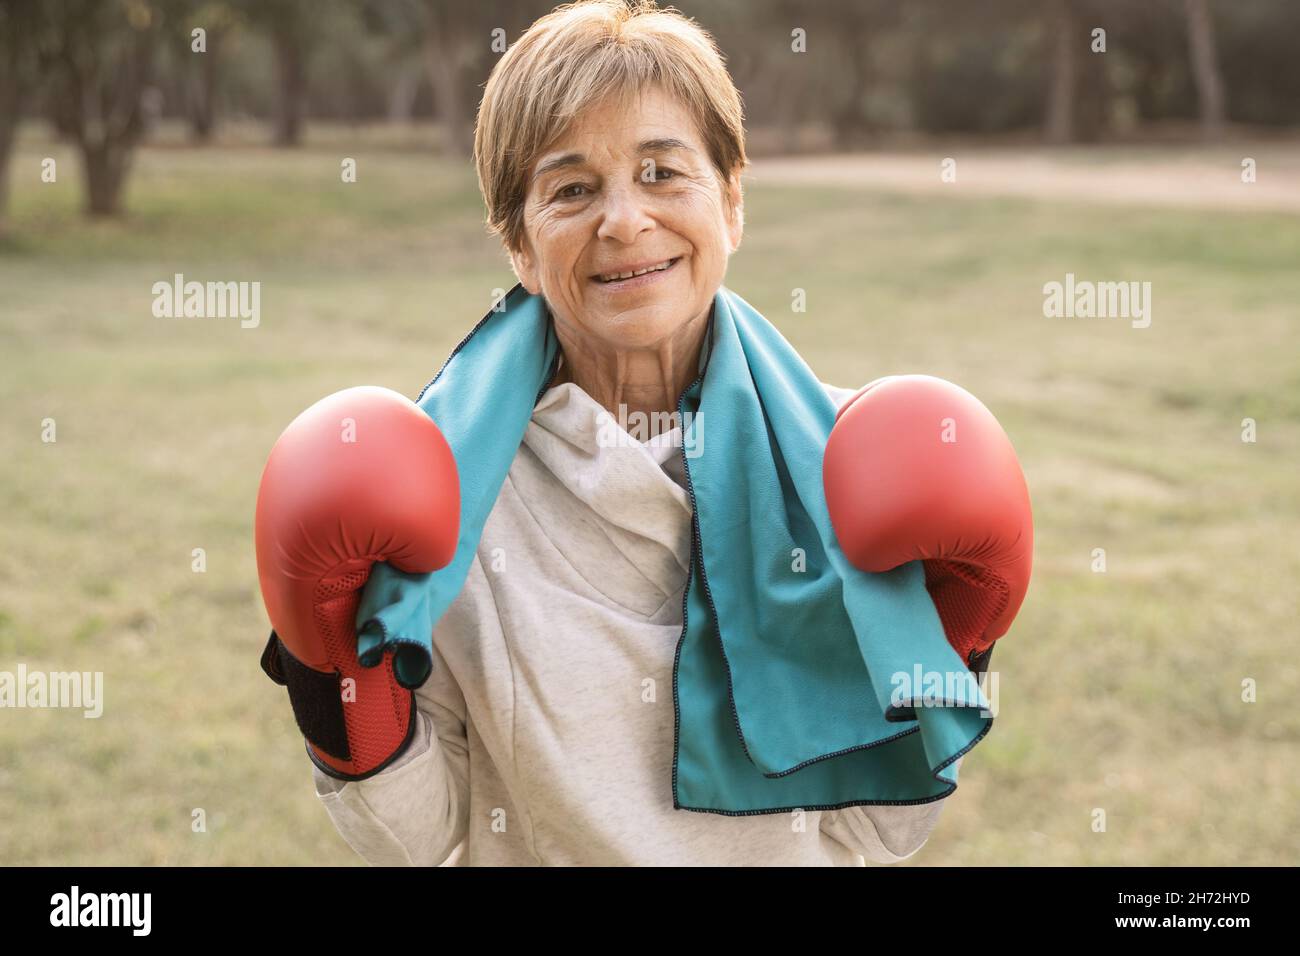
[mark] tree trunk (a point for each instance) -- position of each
(8, 129)
(441, 60)
(4, 190)
(1205, 68)
(17, 77)
(97, 92)
(850, 125)
(203, 94)
(292, 74)
(402, 94)
(105, 168)
(444, 45)
(1064, 39)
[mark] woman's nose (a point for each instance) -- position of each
(625, 214)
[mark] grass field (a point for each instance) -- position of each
(1119, 690)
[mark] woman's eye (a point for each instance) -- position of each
(565, 194)
(664, 169)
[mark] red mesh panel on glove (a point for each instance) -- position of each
(378, 718)
(969, 598)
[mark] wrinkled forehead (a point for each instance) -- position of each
(636, 121)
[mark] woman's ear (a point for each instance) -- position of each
(735, 212)
(525, 266)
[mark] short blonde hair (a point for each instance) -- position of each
(572, 58)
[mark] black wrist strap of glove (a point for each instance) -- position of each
(316, 697)
(979, 663)
(317, 700)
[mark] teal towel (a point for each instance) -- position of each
(795, 681)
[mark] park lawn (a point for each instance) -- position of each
(1119, 691)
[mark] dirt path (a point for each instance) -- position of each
(1162, 176)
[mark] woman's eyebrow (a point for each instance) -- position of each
(569, 159)
(661, 145)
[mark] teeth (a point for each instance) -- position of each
(640, 272)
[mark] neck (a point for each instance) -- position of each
(624, 381)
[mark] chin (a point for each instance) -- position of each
(645, 326)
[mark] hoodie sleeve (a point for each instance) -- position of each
(416, 811)
(838, 394)
(884, 834)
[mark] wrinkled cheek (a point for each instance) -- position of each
(576, 292)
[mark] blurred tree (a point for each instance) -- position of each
(220, 19)
(190, 78)
(402, 94)
(852, 32)
(100, 62)
(1151, 50)
(1256, 46)
(291, 26)
(1079, 84)
(976, 68)
(454, 42)
(1205, 67)
(1160, 64)
(405, 25)
(1064, 38)
(23, 28)
(794, 62)
(449, 45)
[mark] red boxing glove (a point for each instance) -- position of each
(362, 476)
(917, 468)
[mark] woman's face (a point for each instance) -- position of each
(626, 189)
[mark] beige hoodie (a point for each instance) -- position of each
(545, 733)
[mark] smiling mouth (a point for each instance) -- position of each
(613, 278)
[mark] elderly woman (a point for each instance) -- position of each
(519, 628)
